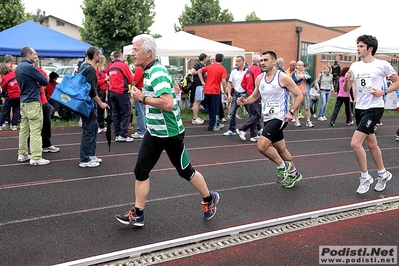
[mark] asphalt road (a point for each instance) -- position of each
(60, 212)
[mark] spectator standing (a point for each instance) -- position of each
(216, 74)
(280, 64)
(165, 131)
(11, 94)
(369, 74)
(88, 143)
(8, 59)
(30, 80)
(336, 71)
(52, 83)
(101, 92)
(235, 91)
(324, 84)
(139, 108)
(273, 87)
(343, 97)
(46, 107)
(314, 99)
(248, 83)
(120, 77)
(198, 89)
(291, 68)
(112, 59)
(302, 79)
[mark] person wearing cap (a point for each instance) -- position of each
(198, 88)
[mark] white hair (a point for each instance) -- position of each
(148, 44)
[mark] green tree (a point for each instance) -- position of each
(252, 17)
(12, 13)
(112, 24)
(204, 11)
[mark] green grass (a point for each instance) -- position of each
(187, 114)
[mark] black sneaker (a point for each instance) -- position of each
(209, 208)
(130, 217)
(332, 124)
(292, 180)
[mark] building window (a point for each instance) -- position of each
(61, 24)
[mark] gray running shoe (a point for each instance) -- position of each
(382, 181)
(364, 184)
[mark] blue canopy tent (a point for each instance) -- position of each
(47, 42)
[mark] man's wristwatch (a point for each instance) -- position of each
(142, 99)
(386, 92)
(292, 111)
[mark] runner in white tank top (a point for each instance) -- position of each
(274, 87)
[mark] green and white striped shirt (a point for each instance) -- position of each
(161, 123)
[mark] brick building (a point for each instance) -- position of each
(288, 38)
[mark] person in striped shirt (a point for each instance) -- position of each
(165, 131)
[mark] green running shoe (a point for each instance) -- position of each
(292, 180)
(282, 173)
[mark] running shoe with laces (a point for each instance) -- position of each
(137, 135)
(241, 134)
(95, 159)
(292, 180)
(122, 139)
(382, 181)
(41, 161)
(364, 184)
(254, 139)
(51, 149)
(297, 124)
(197, 121)
(89, 164)
(229, 133)
(209, 208)
(309, 124)
(23, 158)
(131, 217)
(282, 173)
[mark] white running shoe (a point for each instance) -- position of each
(229, 133)
(23, 158)
(41, 161)
(137, 136)
(309, 124)
(364, 184)
(197, 121)
(241, 134)
(95, 159)
(51, 149)
(297, 124)
(382, 181)
(89, 164)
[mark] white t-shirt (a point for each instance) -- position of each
(236, 78)
(368, 76)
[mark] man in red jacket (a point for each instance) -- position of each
(120, 77)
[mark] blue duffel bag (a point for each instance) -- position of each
(73, 92)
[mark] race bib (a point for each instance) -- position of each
(363, 82)
(271, 108)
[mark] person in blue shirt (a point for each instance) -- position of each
(30, 80)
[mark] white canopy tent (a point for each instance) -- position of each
(185, 45)
(388, 43)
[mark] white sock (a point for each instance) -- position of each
(364, 174)
(382, 172)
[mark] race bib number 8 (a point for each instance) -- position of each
(363, 82)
